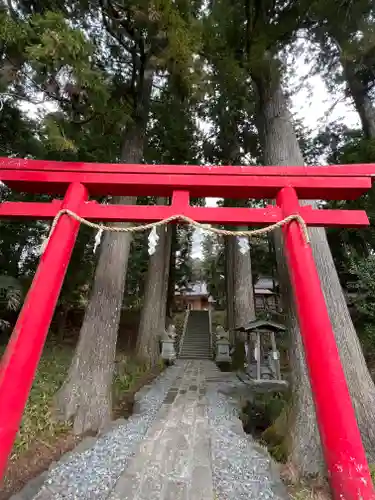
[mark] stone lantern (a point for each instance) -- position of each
(168, 352)
(222, 346)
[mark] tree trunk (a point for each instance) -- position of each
(229, 282)
(280, 147)
(244, 310)
(172, 272)
(361, 99)
(150, 327)
(86, 394)
(164, 312)
(358, 91)
(61, 320)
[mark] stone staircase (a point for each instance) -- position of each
(196, 341)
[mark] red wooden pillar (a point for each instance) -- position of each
(344, 454)
(20, 361)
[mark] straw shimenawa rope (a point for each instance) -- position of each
(222, 232)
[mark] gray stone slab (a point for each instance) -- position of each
(126, 487)
(201, 487)
(151, 487)
(175, 490)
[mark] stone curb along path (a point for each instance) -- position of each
(185, 442)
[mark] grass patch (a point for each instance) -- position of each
(306, 493)
(37, 422)
(129, 371)
(372, 472)
(42, 440)
(314, 488)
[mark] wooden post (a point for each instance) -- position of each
(258, 355)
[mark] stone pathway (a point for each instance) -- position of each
(193, 448)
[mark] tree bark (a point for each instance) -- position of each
(86, 395)
(280, 147)
(167, 261)
(150, 326)
(229, 282)
(172, 272)
(244, 310)
(358, 91)
(361, 99)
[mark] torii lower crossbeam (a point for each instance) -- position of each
(341, 441)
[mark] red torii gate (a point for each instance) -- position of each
(341, 441)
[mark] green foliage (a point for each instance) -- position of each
(56, 139)
(363, 271)
(18, 134)
(128, 372)
(38, 422)
(10, 292)
(93, 75)
(213, 267)
(184, 265)
(137, 271)
(372, 472)
(264, 417)
(335, 27)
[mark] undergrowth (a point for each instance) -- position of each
(38, 423)
(129, 371)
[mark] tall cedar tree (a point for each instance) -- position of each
(268, 27)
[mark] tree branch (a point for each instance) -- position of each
(110, 30)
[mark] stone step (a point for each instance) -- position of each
(195, 346)
(197, 341)
(199, 329)
(195, 350)
(195, 356)
(197, 334)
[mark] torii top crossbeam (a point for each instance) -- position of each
(344, 454)
(326, 183)
(182, 182)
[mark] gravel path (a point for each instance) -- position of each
(92, 474)
(241, 468)
(185, 442)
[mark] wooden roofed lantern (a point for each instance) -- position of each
(263, 357)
